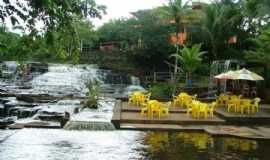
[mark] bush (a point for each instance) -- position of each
(93, 93)
(161, 91)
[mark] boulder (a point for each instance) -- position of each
(36, 98)
(90, 104)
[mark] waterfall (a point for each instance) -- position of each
(65, 84)
(135, 81)
(64, 79)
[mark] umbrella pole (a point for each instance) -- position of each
(218, 87)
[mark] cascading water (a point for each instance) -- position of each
(63, 87)
(65, 79)
(69, 79)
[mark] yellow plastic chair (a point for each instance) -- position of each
(194, 109)
(234, 104)
(203, 110)
(187, 100)
(183, 94)
(144, 110)
(255, 105)
(147, 108)
(143, 98)
(190, 108)
(245, 105)
(211, 109)
(140, 97)
(165, 109)
(231, 98)
(176, 101)
(156, 109)
(181, 99)
(132, 100)
(222, 100)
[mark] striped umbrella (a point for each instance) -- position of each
(245, 74)
(225, 76)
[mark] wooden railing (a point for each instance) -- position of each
(160, 77)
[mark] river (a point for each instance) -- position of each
(58, 144)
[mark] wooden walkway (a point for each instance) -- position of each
(128, 118)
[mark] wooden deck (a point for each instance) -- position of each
(262, 117)
(127, 117)
(125, 114)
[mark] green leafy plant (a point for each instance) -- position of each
(191, 59)
(261, 53)
(161, 91)
(93, 86)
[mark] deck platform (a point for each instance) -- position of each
(262, 117)
(125, 114)
(127, 117)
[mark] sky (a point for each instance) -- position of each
(119, 9)
(122, 8)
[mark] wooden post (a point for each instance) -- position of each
(155, 77)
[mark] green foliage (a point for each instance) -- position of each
(161, 91)
(146, 27)
(93, 86)
(53, 13)
(261, 52)
(55, 45)
(190, 58)
(63, 29)
(220, 21)
(143, 38)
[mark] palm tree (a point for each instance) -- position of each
(190, 58)
(182, 15)
(261, 51)
(220, 21)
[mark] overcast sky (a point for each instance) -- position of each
(122, 8)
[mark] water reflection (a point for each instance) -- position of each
(194, 146)
(33, 144)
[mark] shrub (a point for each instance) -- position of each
(161, 91)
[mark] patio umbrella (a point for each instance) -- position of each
(245, 74)
(225, 76)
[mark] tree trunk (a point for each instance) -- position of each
(214, 51)
(189, 79)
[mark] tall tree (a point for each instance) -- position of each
(261, 51)
(54, 15)
(177, 10)
(221, 20)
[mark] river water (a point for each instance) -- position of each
(58, 144)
